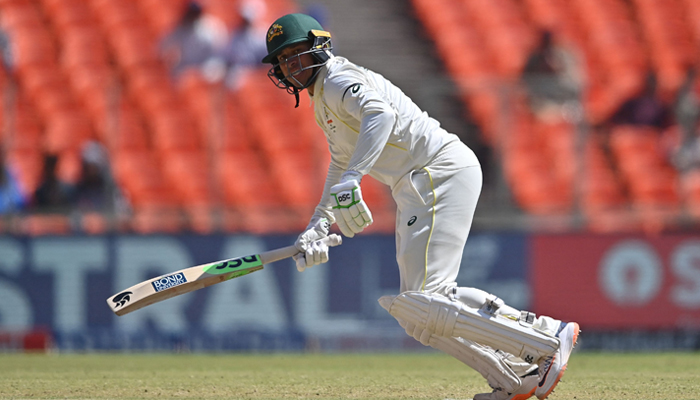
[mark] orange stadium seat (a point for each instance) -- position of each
(175, 130)
(46, 224)
(251, 197)
(116, 15)
(235, 133)
(204, 99)
(187, 170)
(125, 131)
(20, 15)
(83, 45)
(157, 218)
(69, 13)
(162, 14)
(156, 206)
(33, 47)
(24, 135)
(651, 180)
(139, 173)
(66, 131)
(69, 166)
(28, 165)
(151, 89)
(134, 47)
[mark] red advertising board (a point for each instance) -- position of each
(618, 281)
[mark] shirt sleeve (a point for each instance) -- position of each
(354, 97)
(324, 209)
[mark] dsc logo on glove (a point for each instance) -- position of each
(342, 198)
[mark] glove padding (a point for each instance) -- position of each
(310, 253)
(350, 210)
(316, 253)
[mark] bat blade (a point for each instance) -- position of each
(198, 277)
(180, 282)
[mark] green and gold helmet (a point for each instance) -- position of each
(289, 30)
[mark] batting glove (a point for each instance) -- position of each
(350, 210)
(316, 253)
(310, 254)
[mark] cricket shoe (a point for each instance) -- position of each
(553, 367)
(526, 390)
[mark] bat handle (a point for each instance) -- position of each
(289, 251)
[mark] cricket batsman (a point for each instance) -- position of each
(373, 128)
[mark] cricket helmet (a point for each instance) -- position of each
(289, 30)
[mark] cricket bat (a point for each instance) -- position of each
(198, 277)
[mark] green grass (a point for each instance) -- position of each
(365, 376)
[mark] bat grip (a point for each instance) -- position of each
(289, 251)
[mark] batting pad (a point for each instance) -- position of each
(438, 315)
(483, 359)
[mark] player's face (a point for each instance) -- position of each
(292, 63)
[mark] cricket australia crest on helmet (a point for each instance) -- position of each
(274, 31)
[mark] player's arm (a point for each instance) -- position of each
(353, 96)
(377, 122)
(312, 253)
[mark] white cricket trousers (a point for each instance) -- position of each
(435, 209)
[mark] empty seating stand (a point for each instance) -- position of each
(188, 154)
(613, 186)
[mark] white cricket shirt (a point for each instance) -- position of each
(371, 126)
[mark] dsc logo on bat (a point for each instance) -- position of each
(169, 281)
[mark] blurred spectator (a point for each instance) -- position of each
(244, 50)
(53, 194)
(647, 108)
(552, 78)
(8, 61)
(687, 157)
(96, 190)
(687, 107)
(12, 198)
(686, 152)
(194, 40)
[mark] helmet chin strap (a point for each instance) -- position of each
(312, 79)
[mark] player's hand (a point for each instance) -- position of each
(317, 230)
(316, 253)
(351, 212)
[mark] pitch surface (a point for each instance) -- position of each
(326, 376)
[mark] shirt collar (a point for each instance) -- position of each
(320, 80)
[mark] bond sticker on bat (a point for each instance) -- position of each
(169, 281)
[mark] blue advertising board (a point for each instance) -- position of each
(61, 284)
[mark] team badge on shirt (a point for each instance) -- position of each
(329, 121)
